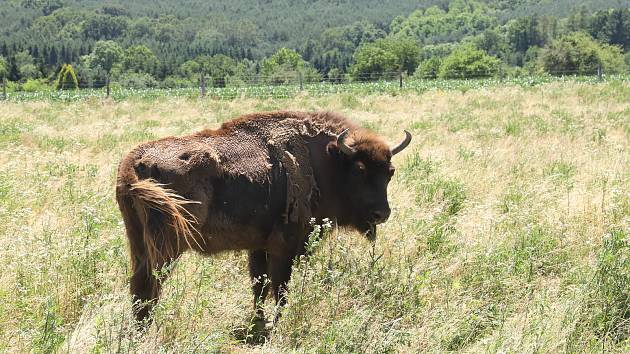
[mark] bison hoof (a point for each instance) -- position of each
(256, 332)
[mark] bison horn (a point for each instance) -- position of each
(403, 144)
(342, 145)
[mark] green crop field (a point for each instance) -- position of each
(510, 229)
(391, 86)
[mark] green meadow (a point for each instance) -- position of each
(510, 229)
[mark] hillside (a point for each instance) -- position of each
(44, 34)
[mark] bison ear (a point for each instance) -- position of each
(333, 149)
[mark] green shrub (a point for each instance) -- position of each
(467, 62)
(35, 85)
(176, 82)
(428, 69)
(286, 66)
(137, 81)
(579, 53)
(387, 55)
(12, 86)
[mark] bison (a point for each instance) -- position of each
(254, 184)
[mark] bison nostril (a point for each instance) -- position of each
(380, 215)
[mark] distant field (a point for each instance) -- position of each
(263, 91)
(510, 229)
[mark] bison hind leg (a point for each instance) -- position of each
(148, 272)
(280, 268)
(151, 270)
(260, 282)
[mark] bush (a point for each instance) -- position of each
(335, 75)
(286, 66)
(137, 81)
(468, 62)
(428, 69)
(579, 53)
(176, 82)
(35, 85)
(387, 55)
(372, 62)
(12, 86)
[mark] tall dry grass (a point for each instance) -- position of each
(510, 230)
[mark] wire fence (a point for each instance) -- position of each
(293, 84)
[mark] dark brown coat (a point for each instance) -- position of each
(253, 184)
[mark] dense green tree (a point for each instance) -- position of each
(468, 62)
(612, 26)
(104, 27)
(373, 62)
(137, 80)
(191, 69)
(283, 57)
(492, 41)
(406, 50)
(219, 67)
(429, 69)
(579, 19)
(437, 50)
(336, 46)
(4, 68)
(26, 65)
(435, 25)
(140, 59)
(326, 34)
(287, 65)
(524, 33)
(579, 53)
(114, 10)
(245, 73)
(386, 56)
(106, 55)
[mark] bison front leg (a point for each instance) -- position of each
(260, 283)
(280, 272)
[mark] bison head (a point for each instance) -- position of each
(364, 169)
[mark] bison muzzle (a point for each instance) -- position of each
(253, 184)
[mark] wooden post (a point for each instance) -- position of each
(600, 74)
(107, 84)
(401, 80)
(301, 81)
(4, 88)
(203, 85)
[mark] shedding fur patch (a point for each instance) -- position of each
(264, 148)
(154, 195)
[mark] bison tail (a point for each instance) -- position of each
(167, 221)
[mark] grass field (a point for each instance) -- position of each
(510, 229)
(292, 89)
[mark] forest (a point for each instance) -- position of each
(173, 43)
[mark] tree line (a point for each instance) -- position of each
(104, 41)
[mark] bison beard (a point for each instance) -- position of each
(253, 184)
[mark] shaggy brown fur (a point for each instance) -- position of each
(253, 184)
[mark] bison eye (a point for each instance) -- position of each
(360, 166)
(391, 171)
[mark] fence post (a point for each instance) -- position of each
(301, 81)
(401, 79)
(599, 72)
(107, 84)
(4, 88)
(203, 85)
